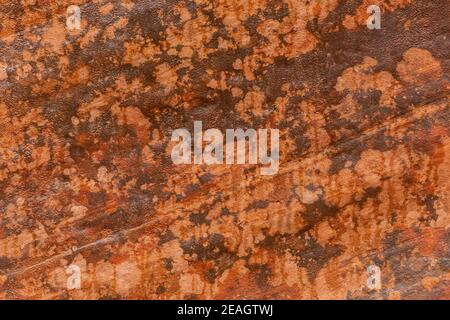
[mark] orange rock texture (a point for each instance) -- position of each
(86, 177)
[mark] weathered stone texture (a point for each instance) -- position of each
(86, 177)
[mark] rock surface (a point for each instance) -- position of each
(86, 177)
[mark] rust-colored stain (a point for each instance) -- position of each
(87, 180)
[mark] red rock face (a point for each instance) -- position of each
(86, 177)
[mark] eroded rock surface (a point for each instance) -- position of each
(86, 176)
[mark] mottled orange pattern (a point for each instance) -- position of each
(86, 177)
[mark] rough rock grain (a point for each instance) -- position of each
(86, 177)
